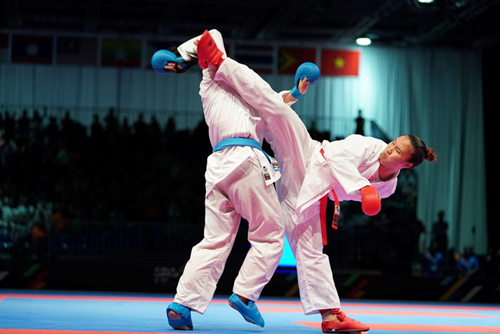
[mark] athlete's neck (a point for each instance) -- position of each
(385, 173)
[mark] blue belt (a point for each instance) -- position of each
(228, 142)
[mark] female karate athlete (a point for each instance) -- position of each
(358, 168)
(239, 183)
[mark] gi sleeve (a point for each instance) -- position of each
(346, 158)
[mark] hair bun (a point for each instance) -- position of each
(430, 155)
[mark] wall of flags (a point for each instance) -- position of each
(136, 53)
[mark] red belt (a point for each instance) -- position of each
(336, 215)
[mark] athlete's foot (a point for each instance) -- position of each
(345, 324)
(172, 315)
(247, 309)
(208, 52)
(245, 301)
(179, 317)
(328, 315)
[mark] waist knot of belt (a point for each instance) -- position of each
(229, 142)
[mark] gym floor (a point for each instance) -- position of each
(56, 312)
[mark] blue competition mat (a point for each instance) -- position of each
(34, 312)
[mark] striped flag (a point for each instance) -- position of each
(32, 49)
(259, 58)
(76, 50)
(121, 53)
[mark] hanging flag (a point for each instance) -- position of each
(32, 49)
(291, 58)
(259, 58)
(121, 53)
(76, 50)
(340, 62)
(4, 48)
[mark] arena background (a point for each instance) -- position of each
(120, 209)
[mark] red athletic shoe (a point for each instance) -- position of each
(208, 52)
(346, 324)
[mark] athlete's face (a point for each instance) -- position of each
(397, 154)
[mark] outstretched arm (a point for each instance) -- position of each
(180, 59)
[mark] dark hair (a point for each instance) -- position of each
(421, 152)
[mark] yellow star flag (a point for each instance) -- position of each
(340, 62)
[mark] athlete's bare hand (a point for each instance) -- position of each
(303, 86)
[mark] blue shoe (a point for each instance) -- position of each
(185, 323)
(250, 312)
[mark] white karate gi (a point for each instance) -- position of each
(235, 188)
(347, 166)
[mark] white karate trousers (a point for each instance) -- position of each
(242, 193)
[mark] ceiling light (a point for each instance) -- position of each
(363, 41)
(425, 1)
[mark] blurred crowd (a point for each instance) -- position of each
(56, 173)
(56, 170)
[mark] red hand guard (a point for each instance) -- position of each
(370, 201)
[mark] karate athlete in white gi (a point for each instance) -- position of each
(239, 183)
(358, 168)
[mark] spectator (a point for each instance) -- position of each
(36, 122)
(96, 128)
(467, 263)
(111, 121)
(440, 233)
(360, 124)
(24, 125)
(493, 262)
(432, 261)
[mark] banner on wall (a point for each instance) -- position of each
(32, 49)
(290, 59)
(259, 58)
(340, 62)
(121, 53)
(76, 50)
